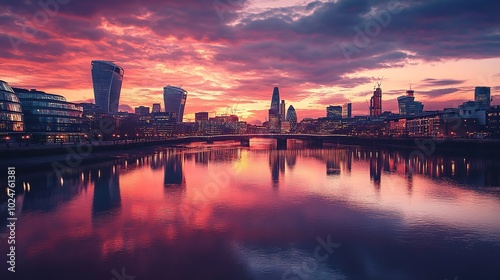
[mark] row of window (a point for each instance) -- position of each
(47, 119)
(11, 126)
(54, 112)
(5, 87)
(7, 96)
(7, 106)
(41, 104)
(58, 127)
(30, 95)
(13, 117)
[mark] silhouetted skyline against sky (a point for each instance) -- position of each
(319, 53)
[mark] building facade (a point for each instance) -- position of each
(334, 112)
(156, 107)
(408, 106)
(274, 112)
(107, 79)
(376, 103)
(142, 110)
(11, 115)
(347, 110)
(291, 117)
(482, 95)
(175, 101)
(50, 118)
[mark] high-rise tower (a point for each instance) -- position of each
(482, 95)
(107, 79)
(291, 116)
(275, 100)
(274, 112)
(282, 110)
(376, 102)
(408, 106)
(175, 101)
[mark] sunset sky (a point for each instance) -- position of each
(319, 53)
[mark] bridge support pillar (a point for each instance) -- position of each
(281, 143)
(245, 142)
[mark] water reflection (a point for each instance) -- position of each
(106, 189)
(396, 216)
(173, 177)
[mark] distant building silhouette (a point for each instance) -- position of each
(408, 106)
(347, 110)
(107, 79)
(376, 103)
(142, 110)
(175, 100)
(282, 110)
(156, 107)
(334, 112)
(274, 112)
(201, 117)
(482, 95)
(291, 117)
(275, 100)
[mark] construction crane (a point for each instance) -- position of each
(234, 110)
(379, 83)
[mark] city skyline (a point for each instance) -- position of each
(222, 61)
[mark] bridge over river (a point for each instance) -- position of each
(281, 139)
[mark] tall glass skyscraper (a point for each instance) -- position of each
(275, 101)
(175, 101)
(291, 116)
(107, 79)
(274, 112)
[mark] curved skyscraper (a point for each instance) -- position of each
(175, 101)
(107, 79)
(291, 116)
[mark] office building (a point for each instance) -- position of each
(156, 107)
(142, 110)
(201, 117)
(334, 112)
(408, 106)
(50, 118)
(347, 110)
(107, 79)
(482, 95)
(275, 100)
(282, 110)
(175, 101)
(11, 115)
